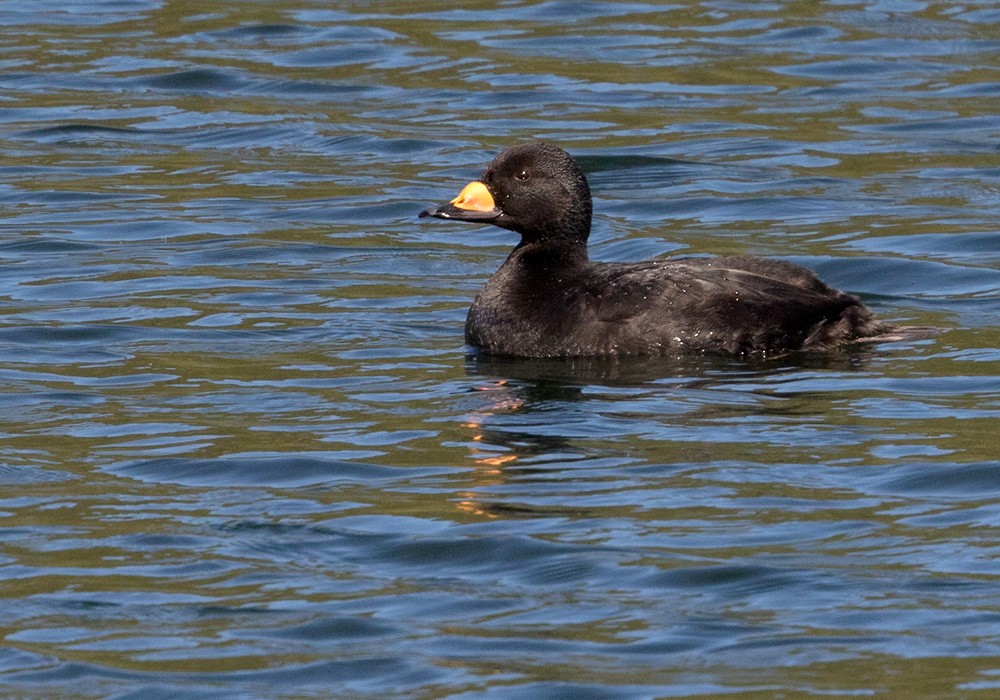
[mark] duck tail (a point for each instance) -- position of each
(889, 333)
(856, 324)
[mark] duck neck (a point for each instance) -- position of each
(541, 257)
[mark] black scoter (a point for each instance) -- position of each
(549, 300)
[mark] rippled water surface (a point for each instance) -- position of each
(244, 453)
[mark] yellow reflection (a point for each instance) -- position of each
(488, 460)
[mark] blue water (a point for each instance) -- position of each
(244, 452)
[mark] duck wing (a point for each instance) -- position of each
(731, 304)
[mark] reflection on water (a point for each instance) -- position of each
(244, 453)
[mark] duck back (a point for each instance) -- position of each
(732, 305)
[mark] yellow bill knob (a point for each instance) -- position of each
(474, 197)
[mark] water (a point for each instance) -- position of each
(243, 452)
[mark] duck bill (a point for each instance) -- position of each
(473, 203)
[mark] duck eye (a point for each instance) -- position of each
(523, 175)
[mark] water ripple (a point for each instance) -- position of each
(248, 455)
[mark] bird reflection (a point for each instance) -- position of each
(508, 431)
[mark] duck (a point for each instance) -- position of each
(549, 300)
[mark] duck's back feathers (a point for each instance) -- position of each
(732, 305)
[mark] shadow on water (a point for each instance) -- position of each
(560, 375)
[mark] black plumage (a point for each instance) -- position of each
(549, 300)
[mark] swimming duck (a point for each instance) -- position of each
(549, 300)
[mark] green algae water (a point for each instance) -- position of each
(244, 452)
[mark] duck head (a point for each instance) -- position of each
(534, 189)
